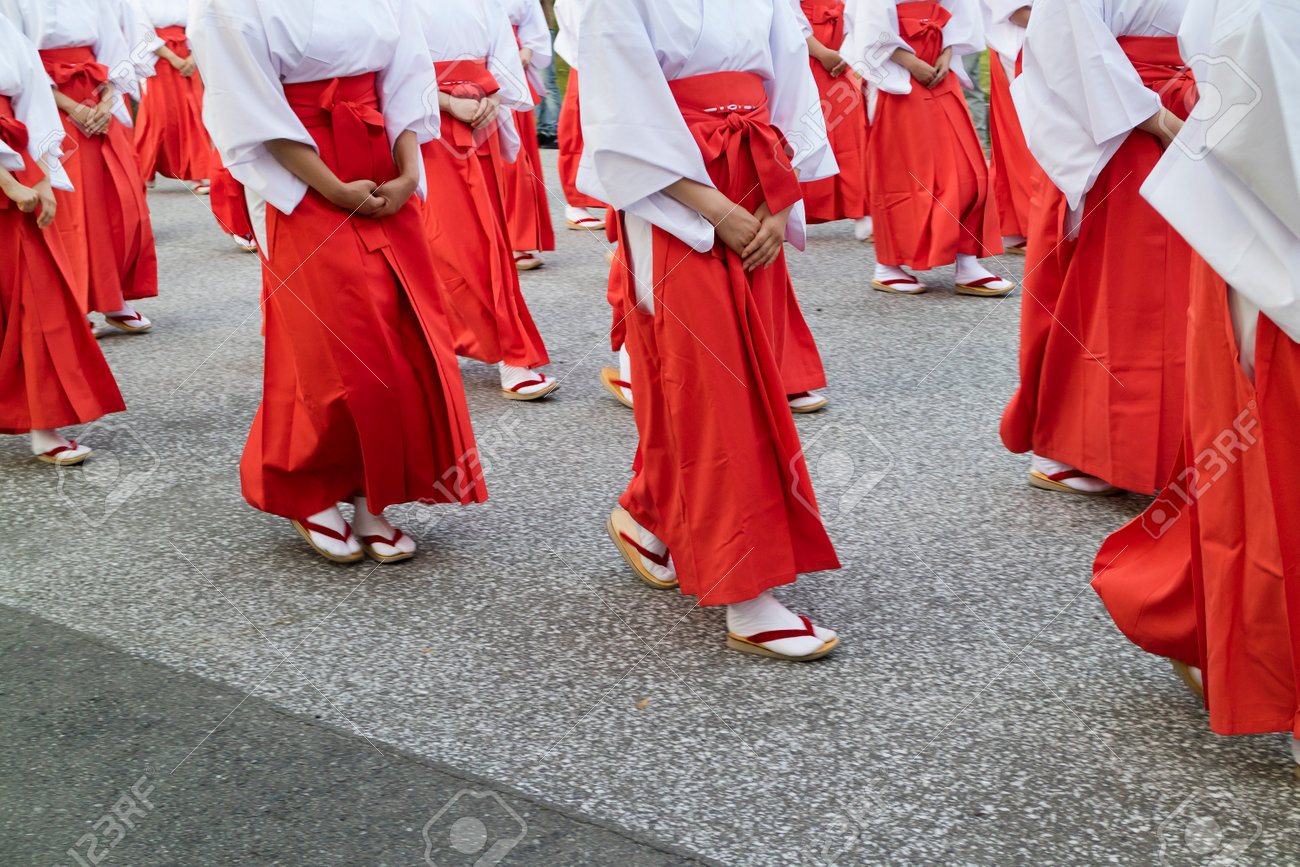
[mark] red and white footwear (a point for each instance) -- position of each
(201, 188)
(128, 320)
(896, 281)
(583, 219)
(247, 243)
(620, 388)
(1050, 475)
(66, 456)
(864, 229)
(647, 556)
(987, 287)
(529, 261)
(806, 402)
(393, 548)
(788, 644)
(337, 546)
(520, 383)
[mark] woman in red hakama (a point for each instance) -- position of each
(720, 504)
(1102, 344)
(465, 224)
(528, 211)
(930, 202)
(52, 373)
(170, 138)
(362, 397)
(582, 211)
(845, 195)
(1209, 575)
(1010, 163)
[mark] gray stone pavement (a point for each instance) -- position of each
(981, 710)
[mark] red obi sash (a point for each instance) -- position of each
(1158, 60)
(826, 12)
(727, 114)
(14, 134)
(467, 79)
(921, 26)
(349, 109)
(75, 72)
(175, 39)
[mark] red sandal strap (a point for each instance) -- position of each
(392, 543)
(1069, 474)
(133, 317)
(657, 559)
(58, 450)
(328, 532)
(621, 384)
(528, 383)
(586, 220)
(986, 281)
(912, 282)
(778, 634)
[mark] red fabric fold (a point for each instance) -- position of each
(569, 138)
(170, 138)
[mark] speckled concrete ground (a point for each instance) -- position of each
(982, 709)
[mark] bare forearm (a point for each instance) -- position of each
(306, 164)
(406, 153)
(708, 201)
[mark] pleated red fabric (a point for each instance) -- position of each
(362, 393)
(720, 475)
(843, 196)
(1011, 164)
(1210, 573)
(229, 206)
(569, 135)
(926, 168)
(465, 223)
(1103, 321)
(170, 139)
(108, 213)
(52, 373)
(527, 210)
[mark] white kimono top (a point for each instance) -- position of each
(77, 23)
(568, 14)
(457, 30)
(23, 80)
(1001, 35)
(871, 37)
(141, 40)
(1079, 96)
(636, 140)
(534, 34)
(167, 13)
(249, 49)
(1230, 183)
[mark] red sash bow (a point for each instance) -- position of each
(176, 39)
(827, 20)
(921, 26)
(349, 107)
(727, 114)
(75, 72)
(467, 79)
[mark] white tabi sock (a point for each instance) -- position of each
(863, 228)
(764, 613)
(367, 524)
(969, 270)
(512, 376)
(333, 519)
(885, 273)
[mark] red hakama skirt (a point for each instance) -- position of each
(1210, 574)
(105, 223)
(52, 373)
(1011, 166)
(362, 393)
(465, 220)
(843, 196)
(1103, 324)
(926, 167)
(720, 475)
(170, 138)
(229, 205)
(569, 137)
(527, 210)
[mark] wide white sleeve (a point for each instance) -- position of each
(141, 39)
(34, 107)
(636, 141)
(804, 26)
(408, 86)
(1000, 11)
(567, 15)
(503, 60)
(964, 32)
(28, 26)
(535, 35)
(1079, 96)
(796, 109)
(244, 105)
(872, 37)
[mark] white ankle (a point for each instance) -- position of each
(513, 376)
(332, 518)
(863, 228)
(625, 370)
(764, 613)
(47, 440)
(652, 543)
(885, 273)
(366, 523)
